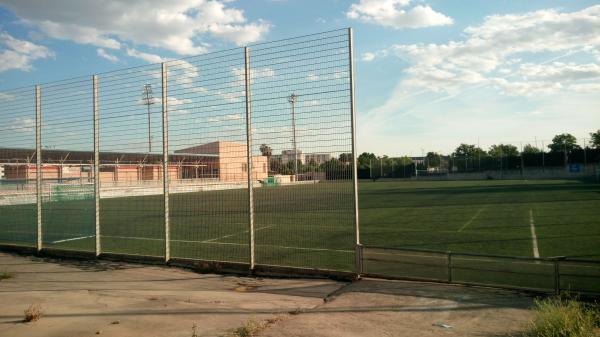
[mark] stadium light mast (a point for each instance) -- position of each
(148, 100)
(292, 100)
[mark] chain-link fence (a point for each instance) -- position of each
(242, 156)
(538, 158)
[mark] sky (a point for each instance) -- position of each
(429, 74)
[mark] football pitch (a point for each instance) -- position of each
(312, 225)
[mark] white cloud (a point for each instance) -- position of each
(4, 97)
(150, 58)
(312, 77)
(177, 25)
(104, 54)
(23, 125)
(397, 14)
(367, 57)
(475, 85)
(558, 71)
(224, 118)
(18, 54)
(489, 51)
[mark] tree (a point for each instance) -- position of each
(468, 150)
(564, 143)
(346, 158)
(266, 151)
(503, 150)
(595, 139)
(365, 159)
(433, 159)
(530, 149)
(402, 161)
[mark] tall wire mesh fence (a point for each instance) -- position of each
(243, 156)
(535, 158)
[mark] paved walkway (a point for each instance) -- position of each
(123, 299)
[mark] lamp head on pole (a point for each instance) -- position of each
(292, 98)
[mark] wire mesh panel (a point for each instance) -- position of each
(18, 208)
(130, 137)
(580, 276)
(67, 161)
(510, 272)
(208, 157)
(301, 123)
(410, 264)
(160, 161)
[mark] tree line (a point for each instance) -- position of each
(464, 158)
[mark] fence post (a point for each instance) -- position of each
(96, 162)
(556, 276)
(449, 261)
(359, 252)
(38, 163)
(165, 150)
(354, 159)
(249, 163)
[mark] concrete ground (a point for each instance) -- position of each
(122, 299)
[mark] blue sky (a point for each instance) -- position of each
(429, 74)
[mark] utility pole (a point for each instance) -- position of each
(148, 100)
(543, 159)
(292, 100)
(478, 156)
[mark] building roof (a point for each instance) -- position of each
(20, 155)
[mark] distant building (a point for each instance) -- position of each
(418, 160)
(231, 160)
(287, 156)
(317, 158)
(224, 161)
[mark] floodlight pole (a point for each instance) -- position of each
(148, 99)
(584, 155)
(543, 159)
(292, 100)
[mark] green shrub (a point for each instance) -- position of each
(563, 317)
(5, 275)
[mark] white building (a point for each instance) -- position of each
(287, 156)
(317, 158)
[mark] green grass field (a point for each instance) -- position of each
(312, 225)
(489, 217)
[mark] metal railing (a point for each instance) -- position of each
(548, 275)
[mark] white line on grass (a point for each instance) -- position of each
(536, 251)
(73, 239)
(472, 219)
(232, 243)
(230, 235)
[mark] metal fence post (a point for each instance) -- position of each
(96, 162)
(556, 276)
(38, 163)
(353, 131)
(449, 261)
(249, 162)
(165, 143)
